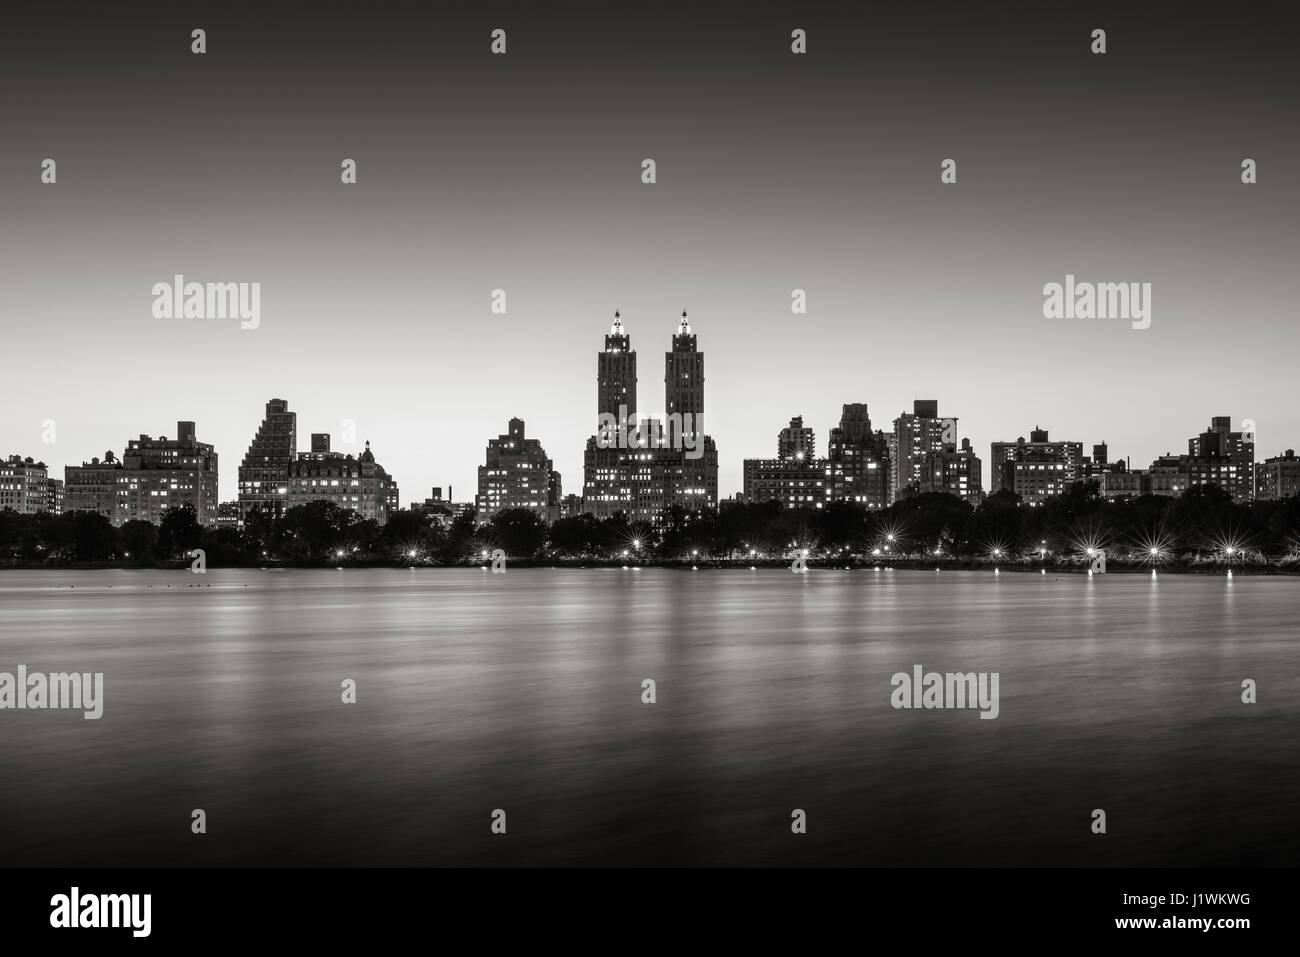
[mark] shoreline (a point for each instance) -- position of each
(1289, 569)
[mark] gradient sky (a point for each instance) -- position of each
(522, 172)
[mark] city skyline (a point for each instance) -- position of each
(1221, 451)
(775, 173)
(782, 435)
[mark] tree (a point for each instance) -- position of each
(180, 531)
(93, 537)
(318, 531)
(460, 544)
(409, 534)
(518, 531)
(577, 536)
(139, 541)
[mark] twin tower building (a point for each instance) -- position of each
(643, 464)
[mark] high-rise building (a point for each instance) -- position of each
(856, 468)
(796, 477)
(688, 461)
(858, 460)
(92, 487)
(684, 386)
(1219, 456)
(616, 374)
(796, 442)
(1036, 470)
(24, 485)
(1278, 477)
(357, 483)
(794, 482)
(158, 474)
(264, 473)
(917, 434)
(954, 471)
(517, 474)
(643, 466)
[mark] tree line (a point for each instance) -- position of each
(1203, 524)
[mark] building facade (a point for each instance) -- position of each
(1278, 477)
(1035, 470)
(855, 469)
(54, 498)
(858, 460)
(918, 434)
(264, 472)
(954, 471)
(517, 474)
(24, 485)
(1223, 457)
(357, 483)
(796, 441)
(794, 482)
(162, 473)
(92, 487)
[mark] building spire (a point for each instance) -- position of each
(617, 328)
(685, 327)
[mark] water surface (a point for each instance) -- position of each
(523, 692)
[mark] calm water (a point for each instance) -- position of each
(523, 692)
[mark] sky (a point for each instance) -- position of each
(522, 172)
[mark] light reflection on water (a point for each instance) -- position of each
(523, 691)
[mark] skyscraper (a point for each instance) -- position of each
(684, 386)
(616, 374)
(688, 461)
(264, 473)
